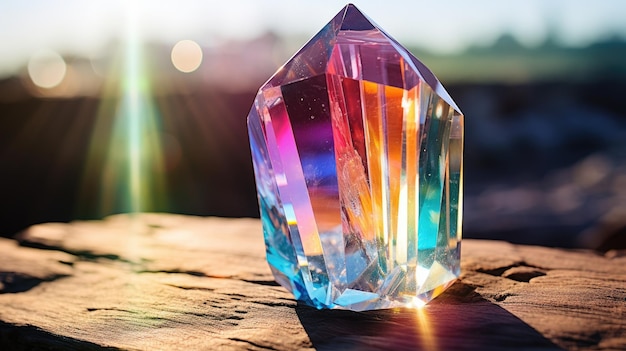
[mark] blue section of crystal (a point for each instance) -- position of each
(280, 251)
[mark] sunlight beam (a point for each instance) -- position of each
(125, 156)
(134, 109)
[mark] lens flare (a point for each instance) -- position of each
(125, 154)
(47, 69)
(186, 56)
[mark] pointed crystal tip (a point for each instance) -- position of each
(358, 158)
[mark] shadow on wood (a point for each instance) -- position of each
(29, 338)
(460, 319)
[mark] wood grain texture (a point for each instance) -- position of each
(172, 282)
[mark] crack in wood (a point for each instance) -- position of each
(80, 254)
(264, 347)
(173, 271)
(518, 271)
(523, 274)
(12, 282)
(95, 309)
(503, 296)
(286, 303)
(198, 288)
(261, 282)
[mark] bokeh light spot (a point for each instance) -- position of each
(186, 56)
(46, 69)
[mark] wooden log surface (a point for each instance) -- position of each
(173, 282)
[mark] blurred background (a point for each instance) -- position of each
(117, 106)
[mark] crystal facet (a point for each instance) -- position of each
(357, 151)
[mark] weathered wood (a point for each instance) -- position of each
(171, 282)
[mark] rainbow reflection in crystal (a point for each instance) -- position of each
(357, 152)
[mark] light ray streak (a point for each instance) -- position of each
(133, 111)
(125, 155)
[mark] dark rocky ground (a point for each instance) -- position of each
(545, 163)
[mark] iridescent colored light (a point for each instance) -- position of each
(357, 151)
(126, 153)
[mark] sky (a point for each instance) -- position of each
(76, 27)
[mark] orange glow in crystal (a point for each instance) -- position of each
(357, 151)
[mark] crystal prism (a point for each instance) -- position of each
(357, 152)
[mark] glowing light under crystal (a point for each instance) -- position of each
(417, 303)
(425, 329)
